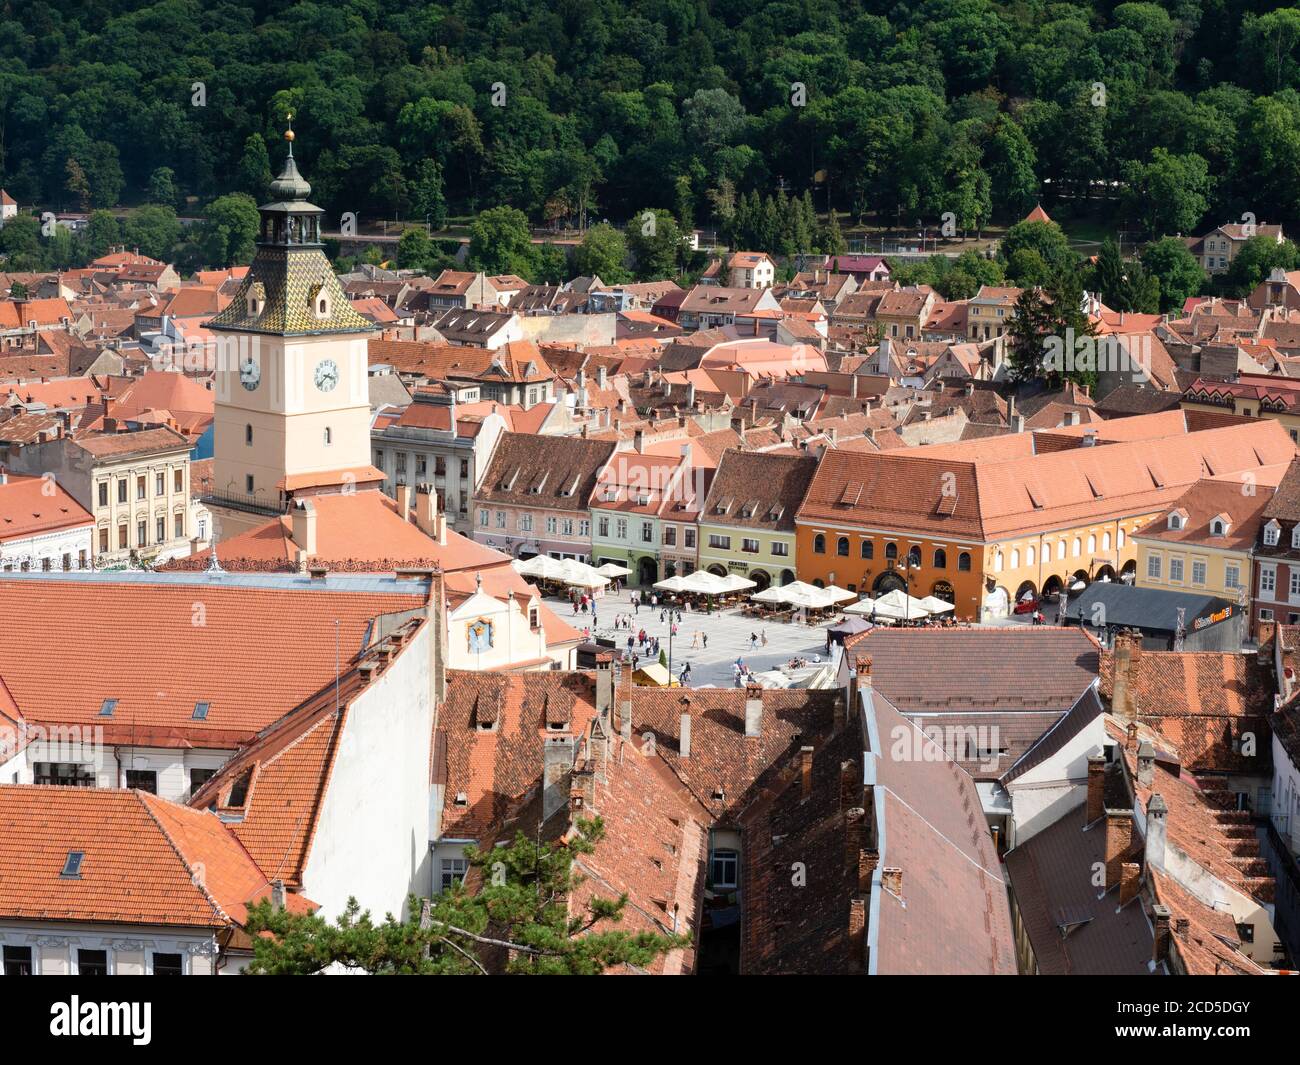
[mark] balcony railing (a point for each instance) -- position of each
(249, 504)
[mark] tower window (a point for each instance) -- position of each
(329, 436)
(248, 434)
(248, 483)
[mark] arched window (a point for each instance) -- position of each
(868, 549)
(940, 558)
(891, 551)
(1078, 547)
(1105, 541)
(914, 557)
(1029, 555)
(1092, 543)
(1015, 558)
(1119, 538)
(819, 544)
(963, 562)
(1047, 553)
(997, 562)
(842, 546)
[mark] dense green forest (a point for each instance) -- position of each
(1157, 116)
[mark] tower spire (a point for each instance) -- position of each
(288, 133)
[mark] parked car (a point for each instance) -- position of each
(1026, 606)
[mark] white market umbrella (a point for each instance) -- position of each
(770, 595)
(838, 594)
(671, 584)
(580, 575)
(613, 569)
(862, 606)
(898, 604)
(935, 605)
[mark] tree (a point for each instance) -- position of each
(77, 186)
(253, 174)
(162, 186)
(656, 243)
(427, 199)
(1178, 271)
(1047, 242)
(153, 229)
(414, 249)
(227, 234)
(602, 253)
(102, 232)
(1044, 335)
(500, 242)
(522, 907)
(1124, 286)
(1170, 194)
(1255, 260)
(1010, 162)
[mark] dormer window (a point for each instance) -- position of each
(1219, 526)
(255, 306)
(1272, 531)
(1295, 536)
(322, 306)
(1175, 520)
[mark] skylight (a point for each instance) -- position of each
(106, 710)
(201, 711)
(72, 866)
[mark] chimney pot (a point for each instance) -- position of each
(1119, 841)
(892, 878)
(806, 772)
(753, 710)
(1096, 787)
(1157, 832)
(1130, 878)
(1160, 941)
(684, 735)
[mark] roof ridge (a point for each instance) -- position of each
(197, 881)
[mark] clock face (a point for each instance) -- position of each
(327, 375)
(250, 373)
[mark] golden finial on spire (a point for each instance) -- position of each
(288, 133)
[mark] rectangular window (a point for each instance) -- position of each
(160, 528)
(464, 467)
(719, 541)
(670, 535)
(178, 479)
(688, 537)
(401, 462)
(723, 869)
(439, 466)
(781, 548)
(18, 961)
(63, 774)
(92, 962)
(620, 528)
(103, 493)
(1267, 579)
(141, 533)
(1198, 572)
(451, 871)
(168, 965)
(566, 527)
(1265, 614)
(746, 544)
(1232, 576)
(121, 490)
(199, 777)
(142, 780)
(584, 529)
(1153, 567)
(248, 484)
(501, 519)
(602, 526)
(647, 532)
(552, 526)
(1295, 583)
(121, 538)
(179, 526)
(484, 518)
(525, 523)
(140, 487)
(160, 484)
(1175, 570)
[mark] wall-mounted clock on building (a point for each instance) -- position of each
(250, 374)
(327, 374)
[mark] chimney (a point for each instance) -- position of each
(277, 895)
(892, 878)
(638, 440)
(557, 764)
(1127, 650)
(861, 674)
(1157, 833)
(1096, 787)
(605, 688)
(805, 773)
(753, 710)
(1146, 763)
(405, 500)
(582, 792)
(969, 389)
(686, 453)
(1160, 944)
(602, 376)
(625, 722)
(858, 931)
(304, 525)
(684, 735)
(1130, 876)
(1119, 839)
(428, 518)
(1071, 417)
(1017, 423)
(4, 475)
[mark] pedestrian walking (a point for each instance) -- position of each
(705, 637)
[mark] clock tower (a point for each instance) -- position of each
(291, 405)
